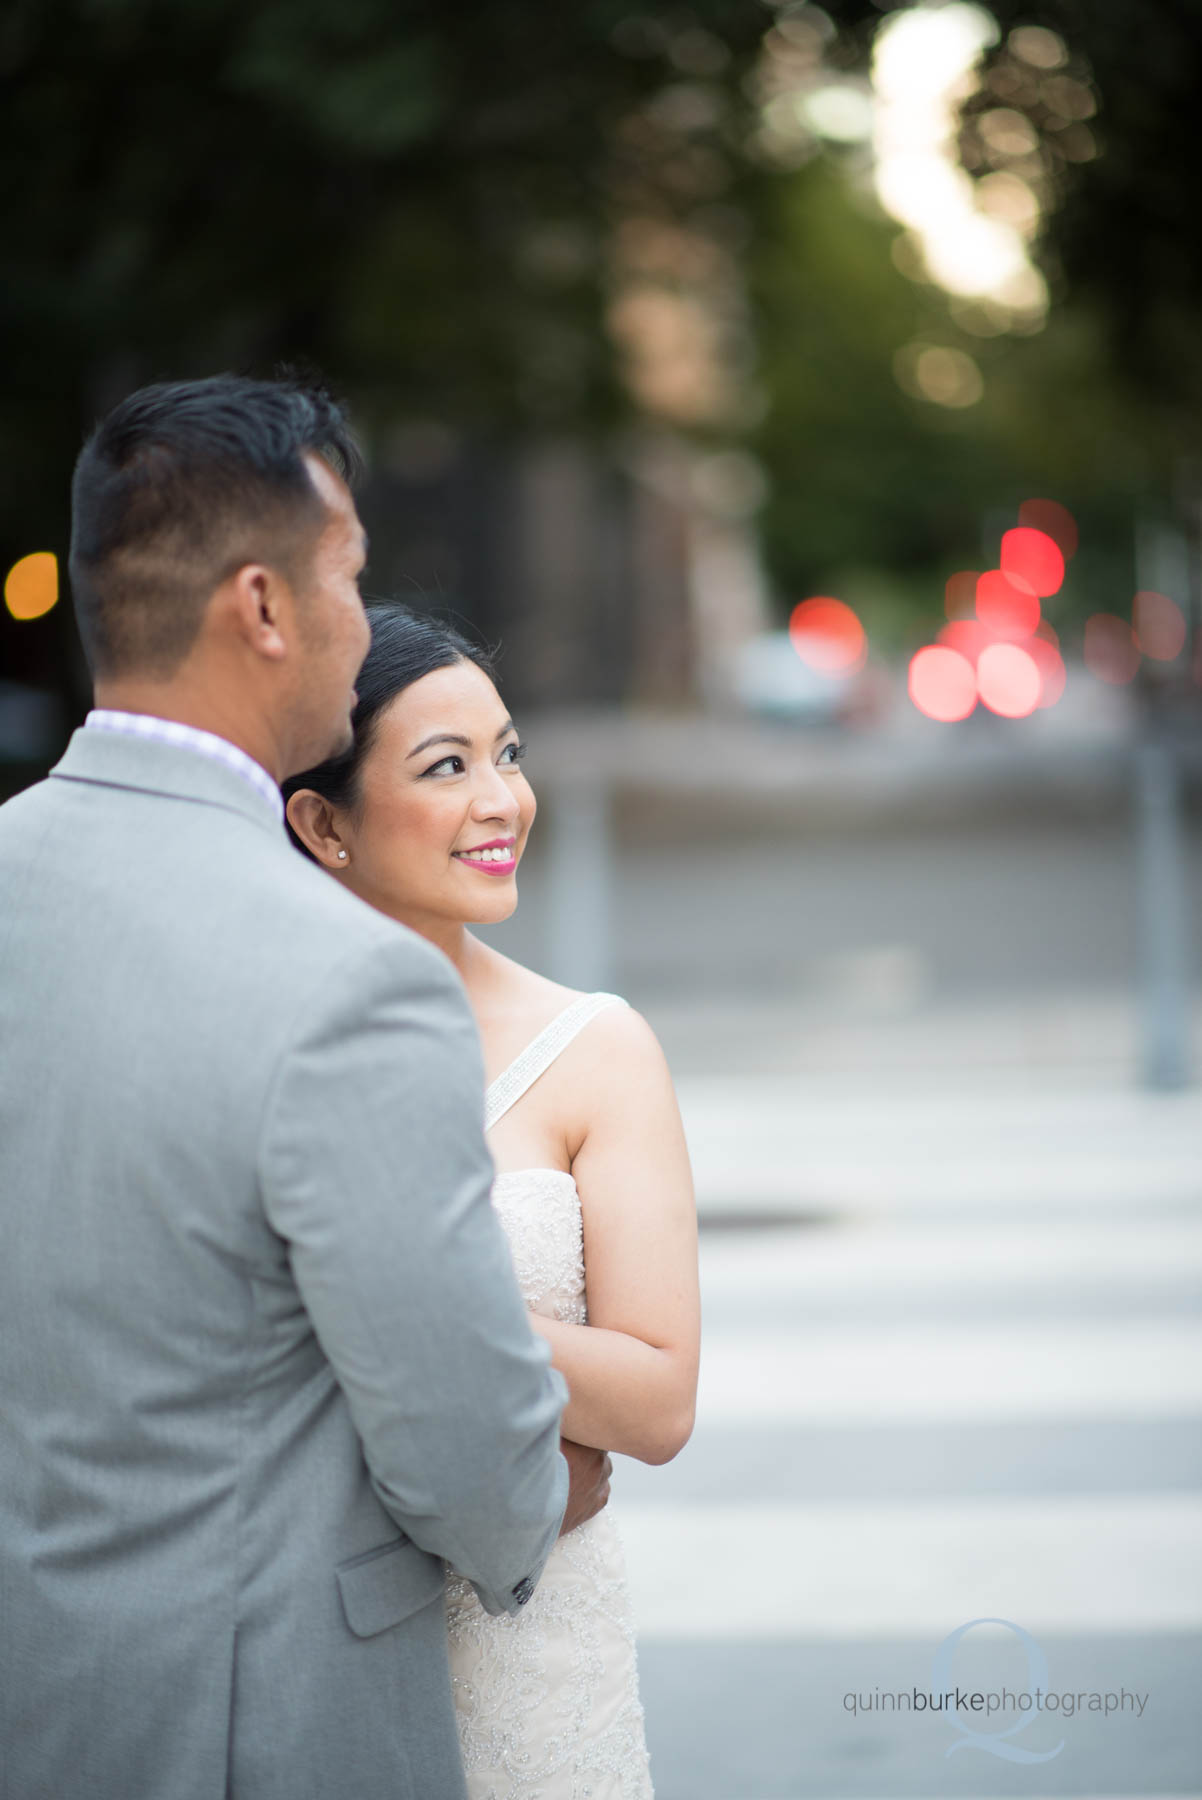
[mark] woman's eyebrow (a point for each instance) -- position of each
(440, 737)
(450, 737)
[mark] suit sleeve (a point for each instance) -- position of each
(374, 1170)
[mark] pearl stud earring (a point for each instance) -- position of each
(342, 856)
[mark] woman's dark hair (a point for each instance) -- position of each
(404, 647)
(174, 490)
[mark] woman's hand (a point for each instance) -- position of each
(589, 1471)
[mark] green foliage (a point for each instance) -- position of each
(414, 197)
(420, 199)
(1124, 241)
(1126, 234)
(878, 496)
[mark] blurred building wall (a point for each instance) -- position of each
(605, 579)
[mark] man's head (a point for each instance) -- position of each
(214, 542)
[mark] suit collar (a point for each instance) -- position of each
(189, 737)
(112, 760)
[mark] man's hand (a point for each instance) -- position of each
(588, 1489)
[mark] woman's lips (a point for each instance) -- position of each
(495, 864)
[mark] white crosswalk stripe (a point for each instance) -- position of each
(846, 1570)
(1033, 1278)
(760, 1145)
(867, 1373)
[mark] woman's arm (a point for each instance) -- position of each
(632, 1370)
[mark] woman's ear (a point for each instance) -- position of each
(312, 818)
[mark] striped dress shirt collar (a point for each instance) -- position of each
(187, 737)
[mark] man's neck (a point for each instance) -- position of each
(182, 703)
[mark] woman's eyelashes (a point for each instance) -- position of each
(509, 758)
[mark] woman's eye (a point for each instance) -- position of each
(453, 764)
(513, 754)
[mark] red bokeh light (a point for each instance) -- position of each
(1004, 610)
(828, 636)
(960, 594)
(1056, 521)
(1111, 652)
(968, 636)
(942, 683)
(1160, 629)
(1008, 681)
(1050, 664)
(1032, 561)
(1048, 633)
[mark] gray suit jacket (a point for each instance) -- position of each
(263, 1361)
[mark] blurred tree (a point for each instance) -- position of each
(1122, 235)
(879, 494)
(1101, 408)
(460, 213)
(416, 198)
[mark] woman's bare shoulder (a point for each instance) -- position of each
(622, 1090)
(624, 1046)
(514, 1001)
(616, 1061)
(617, 1036)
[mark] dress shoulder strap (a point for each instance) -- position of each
(541, 1052)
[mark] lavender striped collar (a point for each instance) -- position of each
(187, 737)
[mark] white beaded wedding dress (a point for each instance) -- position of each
(547, 1699)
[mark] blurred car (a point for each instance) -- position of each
(772, 682)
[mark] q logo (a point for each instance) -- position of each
(994, 1742)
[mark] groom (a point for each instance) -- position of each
(263, 1361)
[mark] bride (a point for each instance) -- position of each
(426, 818)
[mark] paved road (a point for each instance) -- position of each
(958, 1388)
(861, 925)
(951, 1267)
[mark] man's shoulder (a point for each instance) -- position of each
(357, 991)
(26, 817)
(27, 802)
(316, 912)
(198, 874)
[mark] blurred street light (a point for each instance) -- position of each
(31, 587)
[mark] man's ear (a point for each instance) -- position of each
(259, 604)
(312, 818)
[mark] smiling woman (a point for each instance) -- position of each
(431, 798)
(426, 818)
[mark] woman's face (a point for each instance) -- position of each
(444, 809)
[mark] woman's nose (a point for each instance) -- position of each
(496, 798)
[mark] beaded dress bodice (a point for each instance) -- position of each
(547, 1699)
(540, 1210)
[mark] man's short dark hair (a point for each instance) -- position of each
(179, 487)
